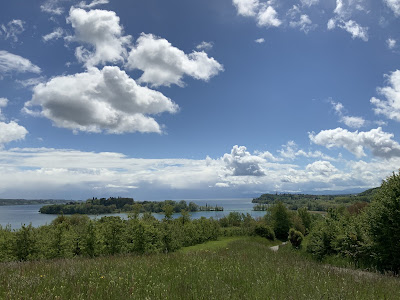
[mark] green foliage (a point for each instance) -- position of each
(383, 221)
(77, 235)
(25, 243)
(116, 205)
(279, 218)
(306, 219)
(295, 238)
(313, 202)
(264, 231)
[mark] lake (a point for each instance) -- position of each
(17, 215)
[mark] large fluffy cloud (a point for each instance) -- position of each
(98, 100)
(390, 106)
(242, 163)
(379, 142)
(101, 30)
(11, 132)
(14, 63)
(164, 64)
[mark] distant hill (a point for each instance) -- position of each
(314, 202)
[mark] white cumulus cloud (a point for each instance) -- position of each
(265, 14)
(260, 40)
(100, 29)
(343, 18)
(99, 100)
(354, 29)
(10, 132)
(242, 163)
(390, 105)
(268, 17)
(14, 63)
(247, 8)
(164, 64)
(379, 142)
(394, 5)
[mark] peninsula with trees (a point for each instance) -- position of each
(110, 205)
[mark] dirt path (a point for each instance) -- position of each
(276, 248)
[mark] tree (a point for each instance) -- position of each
(279, 216)
(25, 243)
(305, 218)
(383, 221)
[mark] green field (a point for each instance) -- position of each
(231, 268)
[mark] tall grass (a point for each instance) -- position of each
(244, 269)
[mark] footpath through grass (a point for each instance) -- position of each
(223, 242)
(233, 268)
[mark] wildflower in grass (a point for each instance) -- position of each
(101, 277)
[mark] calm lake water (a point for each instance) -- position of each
(17, 215)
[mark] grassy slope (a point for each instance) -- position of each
(244, 268)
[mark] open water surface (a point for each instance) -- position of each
(17, 215)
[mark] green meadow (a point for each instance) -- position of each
(230, 268)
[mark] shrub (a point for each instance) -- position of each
(295, 238)
(264, 231)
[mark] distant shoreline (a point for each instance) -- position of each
(9, 202)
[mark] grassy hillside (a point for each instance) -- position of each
(234, 268)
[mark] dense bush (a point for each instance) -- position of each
(264, 231)
(295, 238)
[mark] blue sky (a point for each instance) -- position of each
(197, 99)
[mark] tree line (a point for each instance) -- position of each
(313, 202)
(110, 205)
